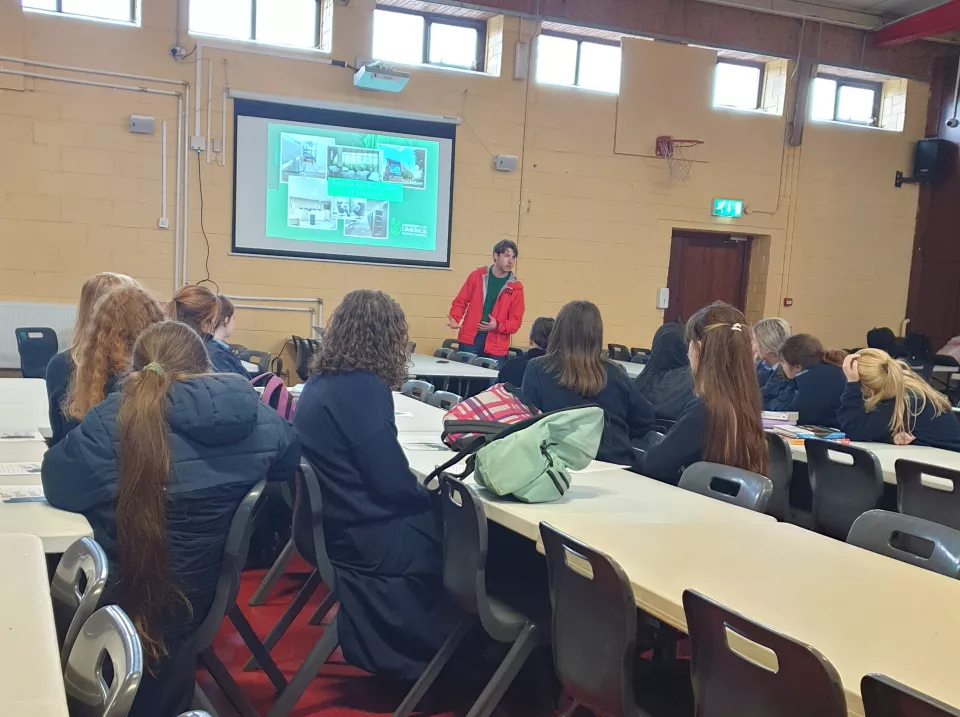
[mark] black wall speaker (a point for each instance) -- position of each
(932, 158)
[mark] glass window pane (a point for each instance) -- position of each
(40, 4)
(287, 22)
(736, 86)
(397, 37)
(855, 104)
(600, 67)
(453, 45)
(107, 9)
(228, 18)
(822, 98)
(556, 60)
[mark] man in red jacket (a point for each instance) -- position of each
(489, 308)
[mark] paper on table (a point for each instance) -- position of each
(21, 436)
(21, 491)
(424, 446)
(19, 469)
(403, 414)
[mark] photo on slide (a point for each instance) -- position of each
(340, 207)
(354, 163)
(367, 219)
(303, 155)
(405, 165)
(308, 205)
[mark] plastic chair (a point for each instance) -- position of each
(444, 399)
(484, 362)
(618, 352)
(514, 352)
(841, 492)
(781, 474)
(451, 344)
(465, 578)
(909, 539)
(594, 628)
(652, 438)
(463, 357)
(195, 713)
(640, 356)
(225, 605)
(411, 346)
(37, 345)
(107, 633)
(914, 498)
(883, 697)
(443, 353)
(260, 358)
(310, 543)
(728, 681)
(72, 604)
(419, 390)
(279, 566)
(731, 485)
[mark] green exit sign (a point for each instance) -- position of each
(728, 208)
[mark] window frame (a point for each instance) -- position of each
(841, 81)
(580, 39)
(317, 35)
(762, 66)
(58, 10)
(431, 18)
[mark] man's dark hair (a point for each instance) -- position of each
(540, 331)
(501, 246)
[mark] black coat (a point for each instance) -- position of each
(512, 371)
(222, 440)
(666, 381)
(929, 429)
(627, 414)
(816, 397)
(681, 447)
(58, 376)
(223, 359)
(383, 531)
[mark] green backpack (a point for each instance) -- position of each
(530, 460)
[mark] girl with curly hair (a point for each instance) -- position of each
(105, 348)
(384, 533)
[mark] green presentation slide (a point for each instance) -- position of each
(351, 187)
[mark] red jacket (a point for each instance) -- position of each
(508, 311)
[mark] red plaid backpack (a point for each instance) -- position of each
(487, 413)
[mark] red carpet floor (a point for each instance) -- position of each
(339, 690)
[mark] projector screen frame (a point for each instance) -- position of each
(372, 119)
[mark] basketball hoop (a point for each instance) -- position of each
(675, 152)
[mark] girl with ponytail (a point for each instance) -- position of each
(721, 424)
(159, 470)
(816, 381)
(886, 401)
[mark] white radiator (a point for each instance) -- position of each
(15, 315)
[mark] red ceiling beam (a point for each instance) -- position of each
(935, 21)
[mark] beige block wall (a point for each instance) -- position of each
(80, 194)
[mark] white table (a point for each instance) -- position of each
(633, 369)
(250, 368)
(421, 365)
(23, 405)
(415, 416)
(31, 683)
(887, 454)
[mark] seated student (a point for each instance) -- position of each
(200, 309)
(159, 470)
(885, 401)
(666, 380)
(575, 373)
(768, 337)
(103, 356)
(384, 533)
(885, 340)
(512, 371)
(819, 381)
(721, 424)
(61, 367)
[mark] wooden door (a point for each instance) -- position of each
(705, 267)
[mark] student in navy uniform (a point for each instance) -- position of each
(819, 381)
(768, 337)
(721, 424)
(512, 371)
(574, 373)
(61, 367)
(200, 309)
(885, 401)
(383, 531)
(666, 380)
(159, 470)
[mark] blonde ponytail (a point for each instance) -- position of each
(883, 378)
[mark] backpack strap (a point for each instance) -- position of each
(474, 445)
(489, 429)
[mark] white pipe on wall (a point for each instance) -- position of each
(176, 235)
(209, 103)
(197, 87)
(288, 299)
(163, 173)
(91, 83)
(185, 237)
(223, 129)
(87, 70)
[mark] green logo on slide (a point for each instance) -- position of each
(395, 227)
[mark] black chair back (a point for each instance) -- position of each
(464, 545)
(940, 504)
(37, 345)
(841, 492)
(911, 540)
(463, 357)
(641, 356)
(593, 624)
(514, 352)
(731, 485)
(781, 473)
(451, 344)
(308, 535)
(260, 358)
(883, 697)
(618, 352)
(732, 677)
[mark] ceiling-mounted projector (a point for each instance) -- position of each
(376, 76)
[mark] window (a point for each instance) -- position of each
(840, 99)
(415, 38)
(738, 85)
(115, 10)
(295, 23)
(572, 61)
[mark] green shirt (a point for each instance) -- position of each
(494, 286)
